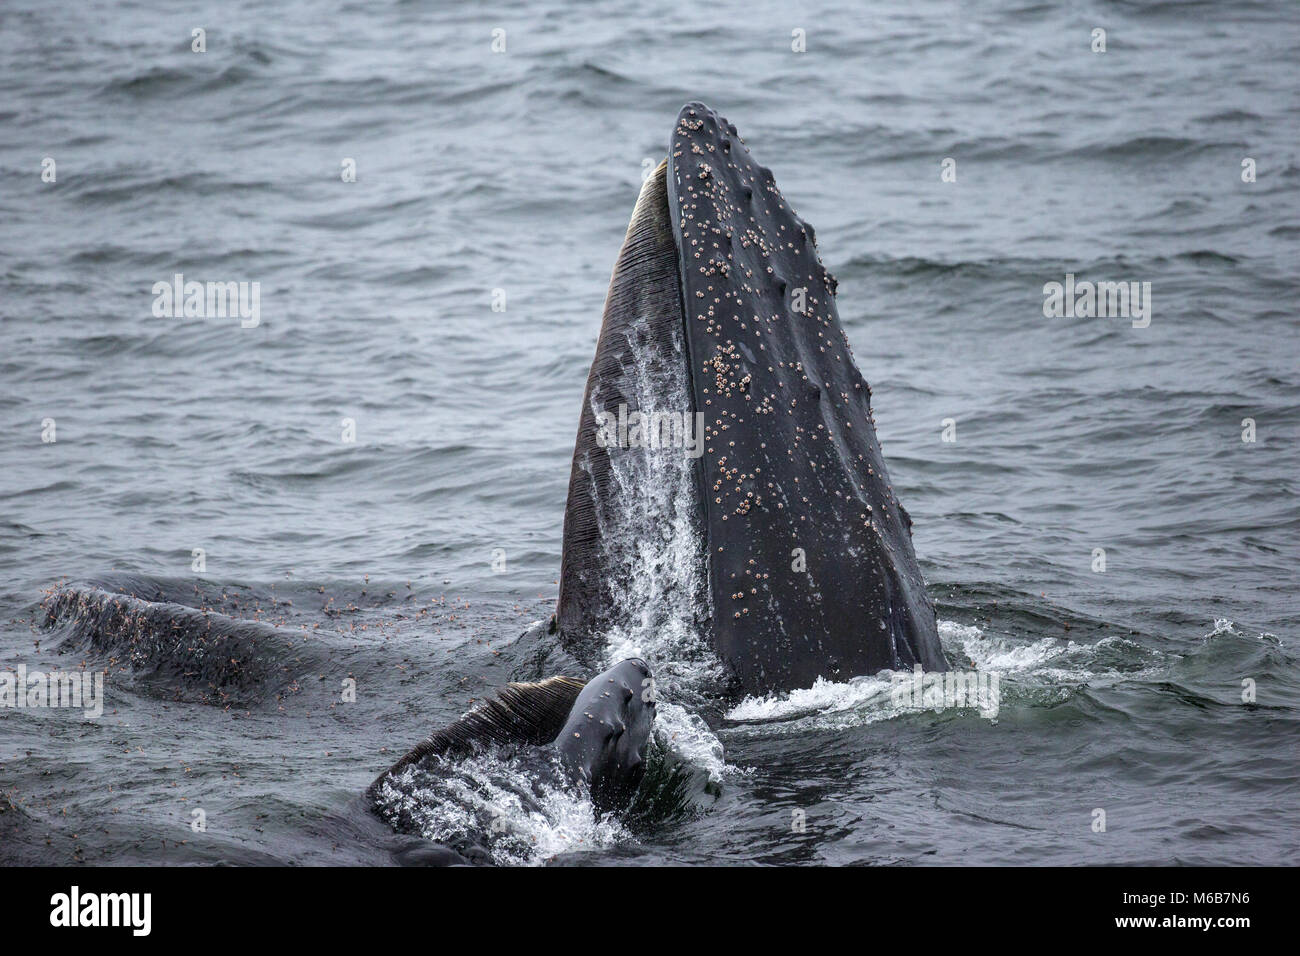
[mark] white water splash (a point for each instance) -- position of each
(859, 700)
(500, 805)
(827, 705)
(824, 697)
(837, 705)
(1051, 663)
(685, 735)
(1057, 661)
(655, 553)
(1224, 626)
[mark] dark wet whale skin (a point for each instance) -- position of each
(792, 460)
(806, 549)
(604, 740)
(639, 340)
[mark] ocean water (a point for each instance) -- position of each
(507, 179)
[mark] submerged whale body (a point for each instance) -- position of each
(171, 638)
(804, 547)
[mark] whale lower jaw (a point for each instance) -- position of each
(805, 561)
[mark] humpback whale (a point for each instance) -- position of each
(805, 548)
(720, 334)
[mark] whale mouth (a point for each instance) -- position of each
(798, 563)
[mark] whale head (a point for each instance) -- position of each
(720, 311)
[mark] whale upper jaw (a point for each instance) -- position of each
(805, 555)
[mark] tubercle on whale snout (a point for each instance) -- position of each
(809, 559)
